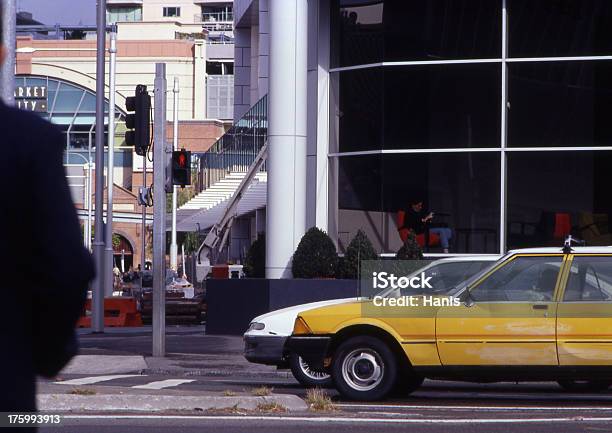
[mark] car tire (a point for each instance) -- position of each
(364, 369)
(585, 385)
(306, 376)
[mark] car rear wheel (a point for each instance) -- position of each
(364, 368)
(585, 385)
(307, 376)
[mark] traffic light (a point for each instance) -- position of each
(181, 168)
(138, 123)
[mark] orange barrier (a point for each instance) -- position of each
(118, 312)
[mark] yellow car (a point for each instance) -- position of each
(540, 314)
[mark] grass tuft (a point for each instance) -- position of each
(82, 391)
(318, 400)
(271, 406)
(262, 391)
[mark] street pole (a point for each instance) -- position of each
(159, 213)
(108, 282)
(143, 254)
(173, 246)
(97, 311)
(89, 189)
(7, 77)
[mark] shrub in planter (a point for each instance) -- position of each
(411, 250)
(360, 248)
(255, 261)
(315, 256)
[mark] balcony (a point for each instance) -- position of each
(216, 21)
(124, 2)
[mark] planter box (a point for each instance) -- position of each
(232, 304)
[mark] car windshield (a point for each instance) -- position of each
(444, 276)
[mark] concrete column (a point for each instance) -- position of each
(242, 71)
(287, 116)
(199, 80)
(264, 49)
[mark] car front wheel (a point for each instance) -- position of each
(307, 376)
(364, 368)
(585, 385)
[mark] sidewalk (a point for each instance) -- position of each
(189, 353)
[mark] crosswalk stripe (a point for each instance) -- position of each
(95, 379)
(161, 384)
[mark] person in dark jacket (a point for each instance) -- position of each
(46, 269)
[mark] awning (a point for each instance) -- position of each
(207, 208)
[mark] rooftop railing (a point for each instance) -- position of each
(236, 150)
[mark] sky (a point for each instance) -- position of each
(68, 12)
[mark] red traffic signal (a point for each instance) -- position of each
(181, 168)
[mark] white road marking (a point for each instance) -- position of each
(95, 379)
(161, 384)
(471, 408)
(345, 419)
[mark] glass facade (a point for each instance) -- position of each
(73, 110)
(491, 113)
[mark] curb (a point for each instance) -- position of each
(158, 403)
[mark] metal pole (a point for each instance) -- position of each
(173, 246)
(89, 203)
(97, 310)
(143, 254)
(9, 25)
(108, 282)
(159, 213)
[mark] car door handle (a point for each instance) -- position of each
(540, 307)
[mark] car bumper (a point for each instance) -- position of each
(265, 349)
(313, 349)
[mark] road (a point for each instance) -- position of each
(436, 407)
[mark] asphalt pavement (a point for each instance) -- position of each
(212, 366)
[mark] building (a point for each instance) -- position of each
(494, 113)
(56, 76)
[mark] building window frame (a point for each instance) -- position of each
(171, 11)
(505, 60)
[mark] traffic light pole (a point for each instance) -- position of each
(9, 14)
(97, 310)
(160, 160)
(109, 280)
(173, 246)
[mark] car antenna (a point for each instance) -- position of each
(567, 246)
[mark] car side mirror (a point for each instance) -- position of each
(468, 300)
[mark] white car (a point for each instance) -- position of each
(267, 334)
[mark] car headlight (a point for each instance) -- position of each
(256, 326)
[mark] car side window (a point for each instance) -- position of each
(590, 279)
(523, 279)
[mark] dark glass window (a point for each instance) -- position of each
(360, 109)
(442, 29)
(560, 104)
(553, 194)
(442, 106)
(370, 31)
(555, 28)
(356, 32)
(462, 189)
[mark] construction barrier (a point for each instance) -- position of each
(118, 312)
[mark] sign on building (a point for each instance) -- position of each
(31, 98)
